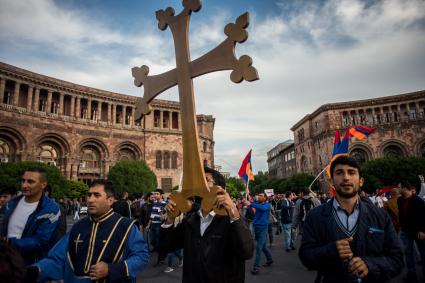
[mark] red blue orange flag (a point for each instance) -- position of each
(341, 147)
(361, 132)
(245, 172)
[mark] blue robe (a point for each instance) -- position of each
(68, 258)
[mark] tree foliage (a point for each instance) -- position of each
(75, 189)
(389, 171)
(237, 183)
(11, 174)
(132, 176)
(294, 183)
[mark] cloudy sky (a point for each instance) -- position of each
(307, 53)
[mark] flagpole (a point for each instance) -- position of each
(247, 188)
(321, 172)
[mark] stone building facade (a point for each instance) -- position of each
(399, 121)
(84, 131)
(281, 160)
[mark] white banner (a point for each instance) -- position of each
(269, 192)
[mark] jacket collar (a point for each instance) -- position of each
(103, 217)
(14, 202)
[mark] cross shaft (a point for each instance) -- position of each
(220, 58)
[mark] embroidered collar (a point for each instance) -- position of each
(103, 217)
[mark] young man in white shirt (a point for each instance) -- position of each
(31, 219)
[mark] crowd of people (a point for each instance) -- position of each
(350, 236)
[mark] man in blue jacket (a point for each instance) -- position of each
(31, 219)
(261, 223)
(348, 239)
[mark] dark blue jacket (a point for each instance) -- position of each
(41, 224)
(376, 242)
(287, 211)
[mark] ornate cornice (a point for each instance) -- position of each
(373, 102)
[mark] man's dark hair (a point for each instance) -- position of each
(406, 184)
(345, 160)
(159, 191)
(288, 193)
(219, 179)
(41, 171)
(12, 264)
(107, 186)
(305, 190)
(147, 196)
(8, 190)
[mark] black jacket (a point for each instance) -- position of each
(218, 256)
(287, 211)
(122, 207)
(376, 242)
(413, 220)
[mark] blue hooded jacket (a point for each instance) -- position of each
(38, 231)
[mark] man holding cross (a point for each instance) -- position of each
(215, 247)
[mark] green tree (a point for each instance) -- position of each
(76, 189)
(237, 183)
(299, 181)
(132, 176)
(260, 183)
(232, 190)
(390, 171)
(11, 174)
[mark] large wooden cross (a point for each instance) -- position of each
(220, 58)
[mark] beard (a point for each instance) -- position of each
(347, 194)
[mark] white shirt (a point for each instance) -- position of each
(349, 221)
(19, 218)
(205, 221)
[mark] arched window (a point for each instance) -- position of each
(47, 154)
(5, 151)
(89, 157)
(166, 160)
(360, 155)
(174, 160)
(126, 154)
(393, 150)
(158, 159)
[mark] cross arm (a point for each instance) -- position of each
(223, 56)
(153, 86)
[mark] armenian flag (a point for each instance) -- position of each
(361, 132)
(340, 148)
(245, 172)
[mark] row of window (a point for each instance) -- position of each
(165, 119)
(93, 115)
(385, 118)
(163, 159)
